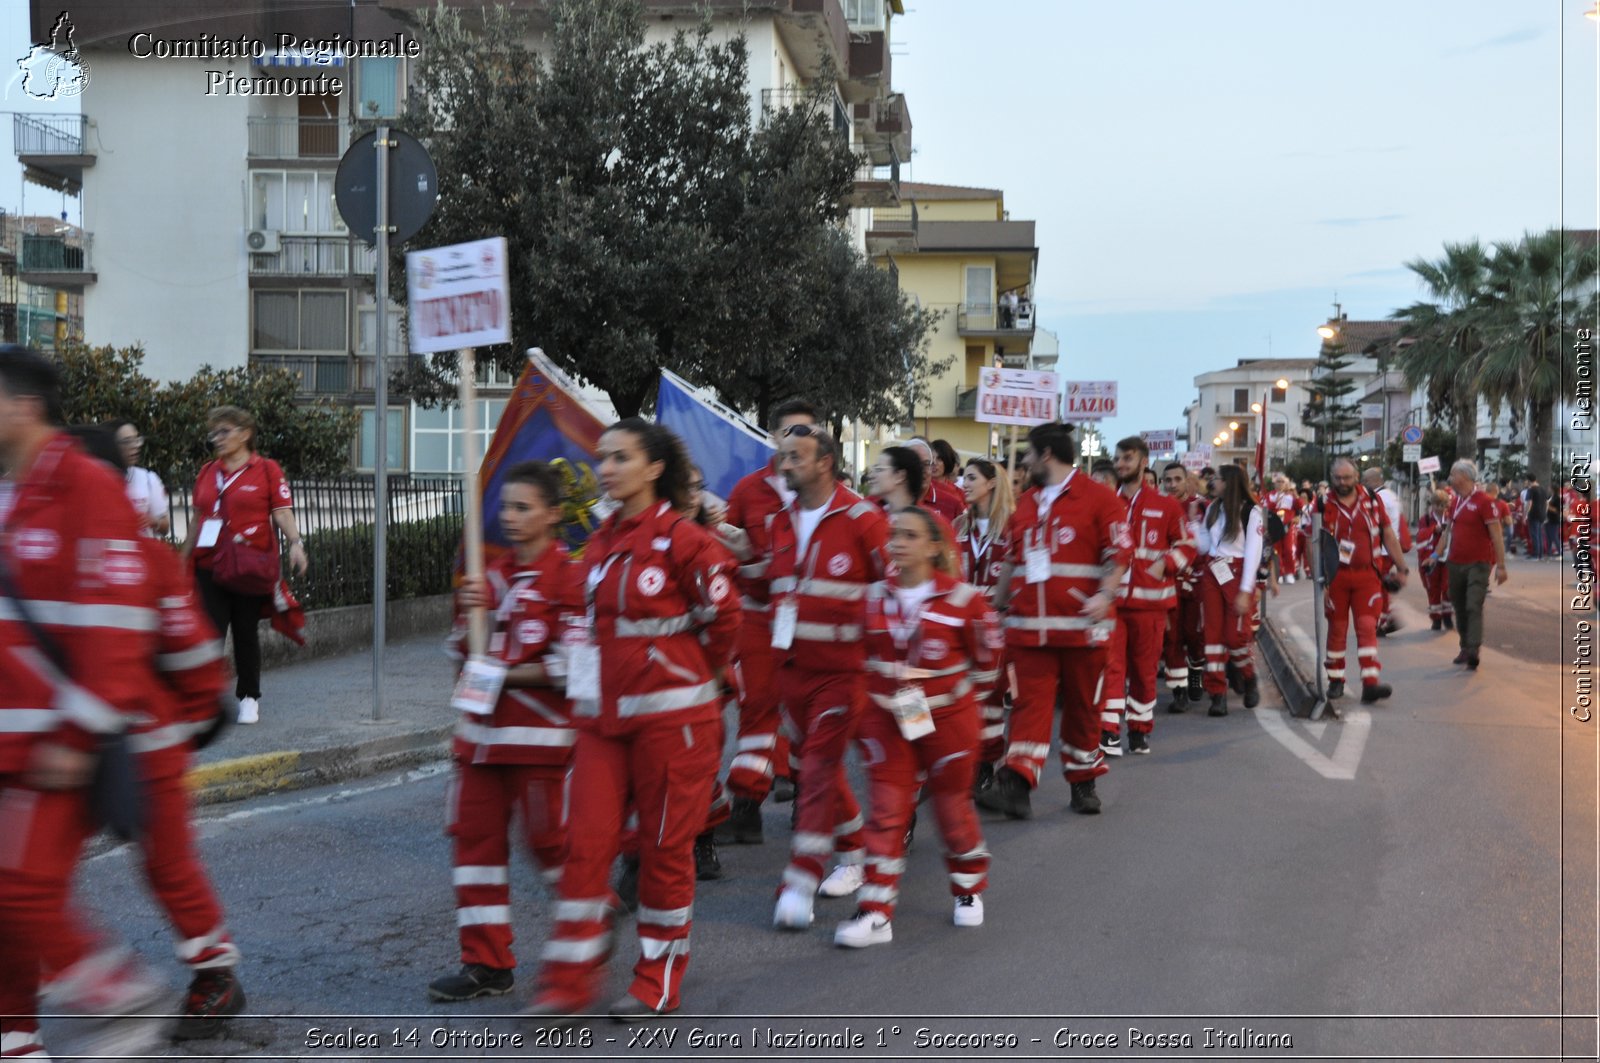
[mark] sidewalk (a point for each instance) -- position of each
(316, 723)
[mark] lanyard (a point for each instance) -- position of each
(1461, 505)
(221, 487)
(907, 633)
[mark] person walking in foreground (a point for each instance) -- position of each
(1433, 570)
(1474, 545)
(1356, 521)
(1231, 537)
(932, 646)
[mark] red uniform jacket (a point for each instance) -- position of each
(72, 543)
(950, 651)
(660, 590)
(752, 504)
(1084, 531)
(981, 557)
(829, 584)
(529, 725)
(1364, 529)
(945, 499)
(1429, 530)
(1159, 533)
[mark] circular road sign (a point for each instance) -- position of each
(1411, 434)
(413, 187)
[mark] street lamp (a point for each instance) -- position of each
(1327, 332)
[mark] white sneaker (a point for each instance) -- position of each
(863, 929)
(249, 710)
(845, 880)
(1289, 580)
(969, 910)
(793, 911)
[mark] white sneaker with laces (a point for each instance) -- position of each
(863, 929)
(793, 911)
(843, 881)
(969, 910)
(249, 710)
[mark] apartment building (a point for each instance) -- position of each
(37, 313)
(210, 233)
(1225, 419)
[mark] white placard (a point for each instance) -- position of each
(1425, 465)
(1163, 442)
(1372, 411)
(1090, 400)
(458, 296)
(1018, 396)
(1196, 458)
(1411, 452)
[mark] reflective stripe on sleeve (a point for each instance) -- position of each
(669, 700)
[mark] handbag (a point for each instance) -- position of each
(116, 794)
(241, 568)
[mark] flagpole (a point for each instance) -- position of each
(478, 619)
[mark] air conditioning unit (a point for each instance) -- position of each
(262, 241)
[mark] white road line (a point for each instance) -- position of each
(206, 826)
(1346, 756)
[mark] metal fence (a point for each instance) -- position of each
(336, 520)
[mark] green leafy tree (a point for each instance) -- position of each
(1446, 338)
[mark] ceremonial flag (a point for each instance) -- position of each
(723, 444)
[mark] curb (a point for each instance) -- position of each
(1299, 690)
(284, 770)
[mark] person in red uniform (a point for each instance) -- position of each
(1069, 548)
(939, 495)
(242, 496)
(932, 642)
(1162, 549)
(1232, 538)
(981, 547)
(1475, 545)
(643, 674)
(1358, 522)
(1430, 566)
(827, 546)
(1286, 504)
(898, 478)
(762, 753)
(513, 747)
(1184, 652)
(69, 545)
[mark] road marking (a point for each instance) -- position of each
(1346, 756)
(211, 825)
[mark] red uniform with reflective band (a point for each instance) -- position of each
(981, 556)
(1084, 531)
(945, 499)
(1158, 531)
(1356, 589)
(250, 495)
(189, 660)
(752, 504)
(829, 583)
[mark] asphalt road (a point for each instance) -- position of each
(1416, 881)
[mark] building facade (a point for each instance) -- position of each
(1224, 421)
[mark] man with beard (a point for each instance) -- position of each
(1358, 522)
(1185, 650)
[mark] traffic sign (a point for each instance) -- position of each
(1411, 434)
(413, 187)
(1410, 452)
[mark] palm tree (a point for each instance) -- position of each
(1446, 335)
(1536, 301)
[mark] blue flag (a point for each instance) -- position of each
(724, 445)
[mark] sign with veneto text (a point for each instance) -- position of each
(1090, 400)
(458, 296)
(1021, 397)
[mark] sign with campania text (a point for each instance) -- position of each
(1090, 400)
(1022, 397)
(458, 296)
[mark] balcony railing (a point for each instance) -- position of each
(315, 256)
(56, 255)
(987, 317)
(315, 374)
(366, 377)
(56, 134)
(876, 186)
(298, 138)
(785, 99)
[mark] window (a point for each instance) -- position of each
(1241, 438)
(394, 427)
(295, 201)
(379, 81)
(1241, 400)
(1277, 430)
(437, 436)
(865, 16)
(367, 327)
(980, 289)
(1279, 394)
(296, 320)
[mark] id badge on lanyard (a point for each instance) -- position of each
(785, 618)
(582, 652)
(911, 712)
(211, 527)
(478, 689)
(1222, 569)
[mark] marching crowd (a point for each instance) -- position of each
(936, 623)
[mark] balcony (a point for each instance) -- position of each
(884, 124)
(366, 378)
(870, 66)
(316, 256)
(967, 402)
(282, 139)
(314, 374)
(893, 231)
(53, 149)
(816, 34)
(790, 98)
(876, 186)
(988, 321)
(57, 261)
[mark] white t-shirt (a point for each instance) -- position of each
(148, 495)
(1050, 492)
(910, 601)
(805, 522)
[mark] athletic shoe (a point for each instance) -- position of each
(707, 864)
(969, 910)
(1289, 579)
(1111, 743)
(1139, 743)
(743, 825)
(1335, 689)
(793, 910)
(863, 929)
(629, 1008)
(1371, 692)
(1180, 701)
(122, 1007)
(843, 881)
(249, 710)
(1472, 660)
(1009, 794)
(1252, 692)
(1084, 800)
(553, 1011)
(1461, 658)
(473, 981)
(783, 789)
(1219, 705)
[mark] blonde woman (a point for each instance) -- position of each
(981, 547)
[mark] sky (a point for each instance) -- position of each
(1208, 178)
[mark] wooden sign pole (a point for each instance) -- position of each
(478, 622)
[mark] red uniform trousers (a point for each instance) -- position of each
(482, 801)
(1360, 592)
(663, 770)
(821, 711)
(1288, 551)
(1133, 656)
(41, 836)
(1042, 673)
(762, 751)
(1185, 643)
(1436, 582)
(896, 769)
(992, 713)
(1303, 548)
(1228, 631)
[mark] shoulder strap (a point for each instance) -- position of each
(47, 643)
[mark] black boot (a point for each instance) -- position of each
(1449, 622)
(1371, 692)
(707, 864)
(743, 825)
(474, 980)
(1219, 705)
(984, 778)
(783, 789)
(1438, 623)
(1180, 700)
(628, 884)
(1252, 692)
(1197, 688)
(1335, 689)
(1009, 794)
(1085, 801)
